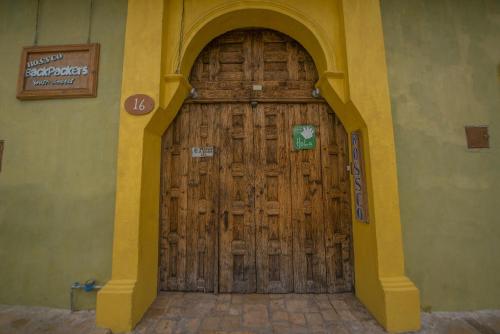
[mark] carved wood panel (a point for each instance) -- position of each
(174, 204)
(272, 199)
(189, 202)
(229, 67)
(307, 207)
(336, 201)
(236, 203)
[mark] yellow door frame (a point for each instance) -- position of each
(345, 39)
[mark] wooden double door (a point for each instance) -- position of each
(257, 216)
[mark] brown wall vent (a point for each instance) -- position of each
(477, 137)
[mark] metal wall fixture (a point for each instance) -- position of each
(316, 93)
(193, 93)
(477, 136)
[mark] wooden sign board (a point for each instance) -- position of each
(358, 172)
(62, 71)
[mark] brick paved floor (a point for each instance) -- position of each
(257, 313)
(44, 320)
(232, 314)
(292, 313)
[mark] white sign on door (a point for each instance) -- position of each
(202, 152)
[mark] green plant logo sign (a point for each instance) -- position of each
(304, 137)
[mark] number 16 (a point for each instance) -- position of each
(139, 105)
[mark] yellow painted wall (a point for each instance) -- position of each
(346, 41)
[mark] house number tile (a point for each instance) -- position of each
(139, 104)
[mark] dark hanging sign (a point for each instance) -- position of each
(63, 71)
(358, 172)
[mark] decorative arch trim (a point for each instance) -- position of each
(259, 14)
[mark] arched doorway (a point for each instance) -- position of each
(243, 209)
(345, 39)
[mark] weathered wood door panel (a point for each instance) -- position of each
(272, 199)
(236, 205)
(203, 195)
(258, 216)
(229, 67)
(336, 201)
(307, 206)
(174, 204)
(189, 202)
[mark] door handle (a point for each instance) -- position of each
(251, 197)
(225, 221)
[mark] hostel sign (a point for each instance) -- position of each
(48, 72)
(304, 137)
(358, 171)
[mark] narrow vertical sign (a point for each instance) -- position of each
(358, 171)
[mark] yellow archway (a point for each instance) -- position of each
(346, 41)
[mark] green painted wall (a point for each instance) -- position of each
(57, 183)
(443, 59)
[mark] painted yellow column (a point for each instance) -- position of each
(121, 303)
(394, 299)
